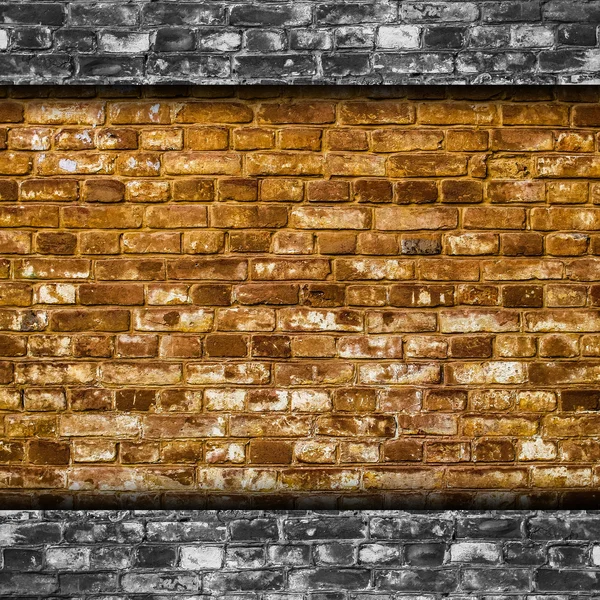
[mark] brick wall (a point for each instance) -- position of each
(363, 296)
(300, 555)
(317, 41)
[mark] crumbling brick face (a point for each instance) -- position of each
(370, 293)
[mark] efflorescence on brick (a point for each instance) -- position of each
(312, 41)
(362, 297)
(295, 555)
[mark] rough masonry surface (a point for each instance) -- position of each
(377, 41)
(300, 555)
(384, 295)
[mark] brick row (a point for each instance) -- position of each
(320, 42)
(339, 555)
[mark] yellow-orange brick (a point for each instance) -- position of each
(310, 291)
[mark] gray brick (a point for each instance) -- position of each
(251, 580)
(174, 39)
(425, 555)
(22, 559)
(275, 15)
(103, 14)
(496, 580)
(584, 528)
(444, 37)
(511, 11)
(110, 67)
(293, 555)
(489, 36)
(185, 14)
(569, 61)
(489, 527)
(156, 556)
(172, 67)
(31, 38)
(75, 40)
(411, 528)
(31, 67)
(32, 13)
(126, 532)
(517, 553)
(30, 583)
(495, 62)
(14, 534)
(88, 583)
(302, 39)
(354, 37)
(567, 12)
(218, 39)
(334, 553)
(352, 528)
(417, 580)
(392, 65)
(253, 530)
(161, 582)
(353, 13)
(280, 66)
(346, 65)
(575, 34)
(265, 41)
(561, 557)
(442, 12)
(208, 529)
(329, 578)
(548, 580)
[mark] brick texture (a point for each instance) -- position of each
(316, 41)
(389, 296)
(293, 555)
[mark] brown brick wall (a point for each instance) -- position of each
(366, 291)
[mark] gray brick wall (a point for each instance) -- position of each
(300, 555)
(305, 41)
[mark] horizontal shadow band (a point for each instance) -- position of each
(415, 500)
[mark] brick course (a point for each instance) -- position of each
(292, 555)
(382, 296)
(371, 42)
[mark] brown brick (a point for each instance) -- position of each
(300, 139)
(328, 191)
(471, 347)
(271, 346)
(348, 140)
(90, 320)
(270, 452)
(523, 296)
(297, 112)
(377, 113)
(198, 190)
(48, 453)
(214, 112)
(416, 192)
(226, 345)
(460, 191)
(206, 138)
(403, 451)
